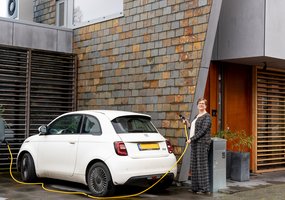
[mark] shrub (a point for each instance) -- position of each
(239, 140)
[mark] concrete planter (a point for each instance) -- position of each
(240, 166)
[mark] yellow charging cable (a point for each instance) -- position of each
(94, 197)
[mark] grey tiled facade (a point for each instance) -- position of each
(146, 61)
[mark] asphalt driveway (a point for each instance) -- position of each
(262, 186)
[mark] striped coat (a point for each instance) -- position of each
(200, 145)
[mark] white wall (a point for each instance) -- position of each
(34, 35)
(241, 30)
(251, 32)
(3, 8)
(275, 29)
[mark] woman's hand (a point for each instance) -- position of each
(186, 122)
(188, 141)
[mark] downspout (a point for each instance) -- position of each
(202, 76)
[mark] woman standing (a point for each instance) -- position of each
(200, 139)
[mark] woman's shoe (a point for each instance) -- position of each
(199, 192)
(193, 191)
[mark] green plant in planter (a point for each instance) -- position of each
(239, 140)
(238, 155)
(225, 134)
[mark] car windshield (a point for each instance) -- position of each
(133, 124)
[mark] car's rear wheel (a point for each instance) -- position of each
(28, 173)
(99, 180)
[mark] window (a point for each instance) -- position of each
(91, 125)
(76, 13)
(68, 124)
(61, 17)
(61, 13)
(133, 124)
(90, 11)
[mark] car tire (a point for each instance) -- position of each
(99, 180)
(28, 173)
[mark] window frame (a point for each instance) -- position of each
(58, 3)
(129, 124)
(51, 126)
(69, 15)
(83, 126)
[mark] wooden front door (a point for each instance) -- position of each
(211, 94)
(229, 91)
(237, 92)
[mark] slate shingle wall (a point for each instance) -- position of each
(44, 11)
(146, 61)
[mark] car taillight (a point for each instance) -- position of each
(120, 148)
(169, 146)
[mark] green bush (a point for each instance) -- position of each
(240, 141)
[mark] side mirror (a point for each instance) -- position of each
(42, 129)
(2, 130)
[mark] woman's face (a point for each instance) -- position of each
(201, 105)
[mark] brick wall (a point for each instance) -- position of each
(44, 11)
(147, 61)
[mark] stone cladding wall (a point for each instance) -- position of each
(45, 11)
(147, 61)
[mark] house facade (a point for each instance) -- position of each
(159, 57)
(37, 76)
(148, 60)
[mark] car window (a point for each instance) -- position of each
(133, 124)
(91, 125)
(68, 124)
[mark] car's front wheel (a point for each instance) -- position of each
(28, 173)
(99, 180)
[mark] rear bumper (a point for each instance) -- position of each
(136, 170)
(149, 179)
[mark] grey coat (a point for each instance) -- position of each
(202, 130)
(200, 145)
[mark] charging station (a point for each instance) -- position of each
(2, 130)
(217, 164)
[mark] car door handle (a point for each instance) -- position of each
(71, 142)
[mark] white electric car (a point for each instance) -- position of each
(98, 148)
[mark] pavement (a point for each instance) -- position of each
(265, 186)
(260, 186)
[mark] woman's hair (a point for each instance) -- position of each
(202, 99)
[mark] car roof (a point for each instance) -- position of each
(111, 114)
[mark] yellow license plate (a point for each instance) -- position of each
(148, 146)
